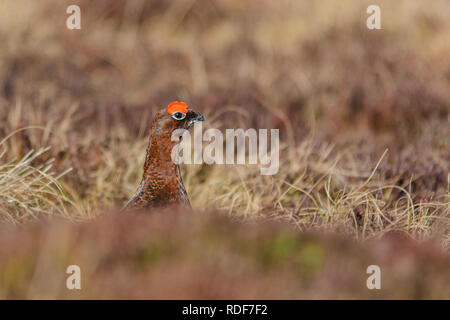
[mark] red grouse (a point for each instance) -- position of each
(161, 183)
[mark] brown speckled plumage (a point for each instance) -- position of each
(161, 183)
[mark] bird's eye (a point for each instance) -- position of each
(178, 115)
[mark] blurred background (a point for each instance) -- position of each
(364, 126)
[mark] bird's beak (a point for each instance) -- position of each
(195, 117)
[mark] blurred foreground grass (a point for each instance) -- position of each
(180, 255)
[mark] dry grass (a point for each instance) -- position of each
(363, 115)
(26, 191)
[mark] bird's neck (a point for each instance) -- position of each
(159, 158)
(161, 184)
(161, 173)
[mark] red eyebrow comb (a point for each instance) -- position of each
(177, 106)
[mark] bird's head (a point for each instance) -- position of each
(176, 116)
